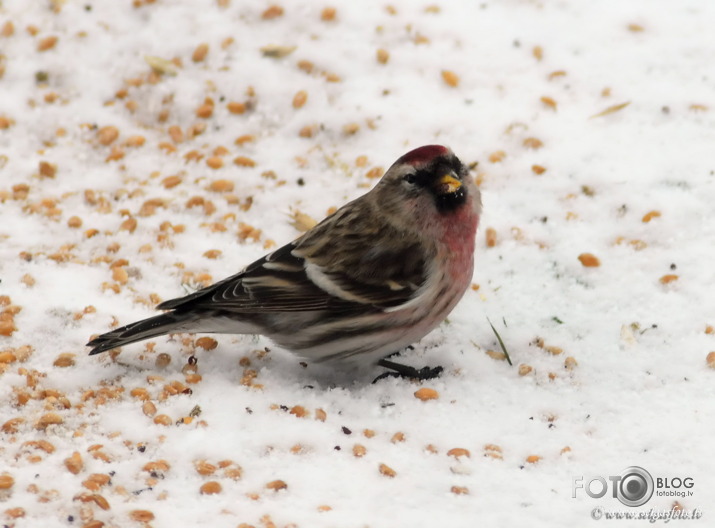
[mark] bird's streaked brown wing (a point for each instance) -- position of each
(294, 277)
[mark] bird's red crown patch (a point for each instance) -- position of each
(423, 155)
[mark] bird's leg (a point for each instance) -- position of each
(405, 371)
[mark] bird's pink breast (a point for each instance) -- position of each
(457, 238)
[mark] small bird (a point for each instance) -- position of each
(369, 280)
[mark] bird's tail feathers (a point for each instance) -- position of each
(144, 329)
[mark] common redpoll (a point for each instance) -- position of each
(366, 282)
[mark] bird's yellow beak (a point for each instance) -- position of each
(448, 184)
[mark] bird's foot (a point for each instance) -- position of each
(398, 370)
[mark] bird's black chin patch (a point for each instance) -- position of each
(450, 201)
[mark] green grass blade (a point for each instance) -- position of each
(501, 343)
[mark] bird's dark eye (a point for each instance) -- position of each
(410, 178)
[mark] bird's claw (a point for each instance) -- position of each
(398, 370)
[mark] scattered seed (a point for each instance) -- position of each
(650, 216)
(47, 170)
(200, 52)
(277, 485)
(301, 221)
(161, 66)
(48, 419)
(306, 66)
(64, 360)
(162, 419)
(12, 425)
(299, 411)
(351, 129)
(141, 515)
(374, 173)
(234, 472)
(96, 481)
(6, 481)
(236, 108)
(497, 156)
(243, 161)
(139, 393)
(107, 135)
(7, 356)
(667, 279)
(205, 111)
(130, 224)
(300, 98)
(193, 378)
(387, 471)
(157, 466)
(533, 143)
(120, 275)
(549, 102)
(611, 109)
(457, 452)
(398, 437)
(221, 186)
(204, 468)
(491, 236)
(272, 12)
(328, 14)
(47, 43)
(148, 408)
(589, 260)
(276, 51)
(425, 394)
(162, 360)
(8, 29)
(332, 77)
(494, 354)
(308, 131)
(15, 513)
(709, 359)
(214, 162)
(450, 78)
(207, 343)
(171, 181)
(135, 141)
(493, 448)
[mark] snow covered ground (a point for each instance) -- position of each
(150, 147)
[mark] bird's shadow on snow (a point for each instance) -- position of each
(351, 376)
(277, 367)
